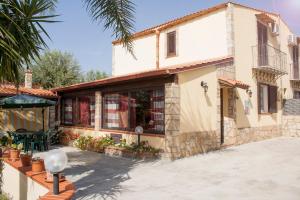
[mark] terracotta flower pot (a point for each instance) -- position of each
(38, 165)
(14, 154)
(26, 160)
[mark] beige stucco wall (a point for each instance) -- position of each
(30, 119)
(156, 142)
(198, 110)
(199, 39)
(144, 50)
(20, 187)
(245, 36)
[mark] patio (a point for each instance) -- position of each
(261, 170)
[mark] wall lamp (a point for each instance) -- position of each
(249, 92)
(204, 85)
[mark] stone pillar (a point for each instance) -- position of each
(59, 107)
(172, 121)
(98, 110)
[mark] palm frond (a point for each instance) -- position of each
(21, 34)
(117, 15)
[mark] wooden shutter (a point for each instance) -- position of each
(258, 98)
(262, 35)
(272, 99)
(171, 43)
(296, 61)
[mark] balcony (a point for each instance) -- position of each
(269, 59)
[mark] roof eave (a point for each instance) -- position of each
(163, 72)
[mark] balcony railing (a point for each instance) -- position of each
(268, 58)
(295, 71)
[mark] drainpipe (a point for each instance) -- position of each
(157, 33)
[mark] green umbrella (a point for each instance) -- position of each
(26, 101)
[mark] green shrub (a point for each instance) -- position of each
(93, 144)
(4, 197)
(143, 147)
(4, 141)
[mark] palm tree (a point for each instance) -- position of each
(21, 34)
(22, 31)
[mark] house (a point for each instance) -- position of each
(28, 118)
(215, 78)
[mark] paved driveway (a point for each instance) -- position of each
(262, 170)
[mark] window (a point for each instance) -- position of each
(68, 111)
(125, 111)
(267, 98)
(115, 112)
(296, 94)
(171, 44)
(79, 110)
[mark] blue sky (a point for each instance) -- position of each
(91, 45)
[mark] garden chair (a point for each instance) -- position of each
(37, 142)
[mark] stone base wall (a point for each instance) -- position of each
(253, 134)
(192, 143)
(291, 125)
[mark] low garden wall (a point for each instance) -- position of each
(156, 141)
(291, 125)
(21, 183)
(291, 118)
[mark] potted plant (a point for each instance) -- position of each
(14, 152)
(37, 165)
(26, 159)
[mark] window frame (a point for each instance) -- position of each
(272, 107)
(296, 94)
(129, 92)
(76, 113)
(171, 54)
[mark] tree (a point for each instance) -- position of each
(56, 69)
(117, 15)
(21, 33)
(93, 75)
(21, 30)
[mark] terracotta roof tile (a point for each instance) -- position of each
(10, 90)
(163, 71)
(233, 83)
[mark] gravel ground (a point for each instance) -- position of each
(257, 171)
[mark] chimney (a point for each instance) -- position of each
(28, 78)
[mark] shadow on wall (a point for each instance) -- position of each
(197, 120)
(197, 109)
(242, 116)
(97, 176)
